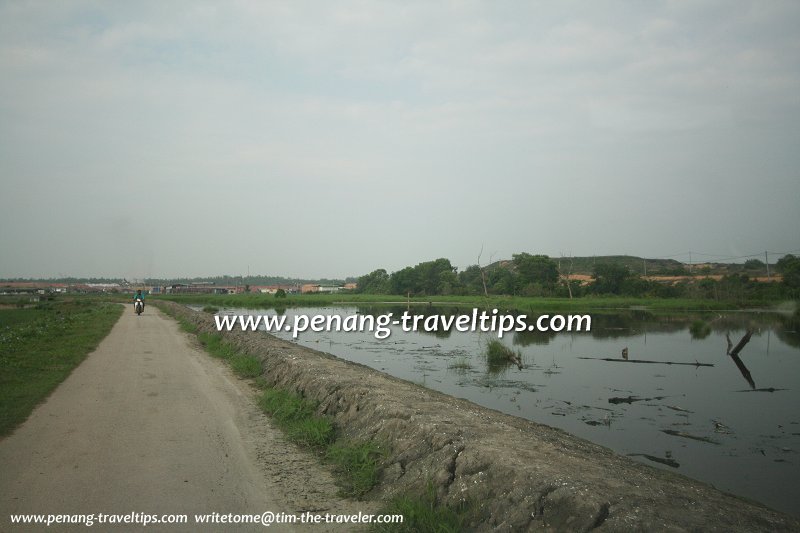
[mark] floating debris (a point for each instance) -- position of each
(681, 409)
(719, 427)
(696, 363)
(769, 389)
(663, 460)
(689, 436)
(631, 399)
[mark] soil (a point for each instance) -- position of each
(517, 475)
(149, 423)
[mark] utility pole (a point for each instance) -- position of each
(644, 264)
(690, 263)
(766, 260)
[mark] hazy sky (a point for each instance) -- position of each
(327, 139)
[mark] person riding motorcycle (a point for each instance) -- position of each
(138, 296)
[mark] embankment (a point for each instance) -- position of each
(521, 475)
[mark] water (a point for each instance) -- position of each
(708, 423)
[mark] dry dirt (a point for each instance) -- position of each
(151, 424)
(518, 475)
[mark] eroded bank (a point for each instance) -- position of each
(521, 475)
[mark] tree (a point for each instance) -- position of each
(753, 264)
(376, 282)
(403, 281)
(610, 277)
(472, 280)
(535, 272)
(502, 281)
(428, 278)
(789, 268)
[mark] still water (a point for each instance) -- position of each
(706, 422)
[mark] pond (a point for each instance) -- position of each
(734, 424)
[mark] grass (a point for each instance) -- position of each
(700, 329)
(533, 305)
(356, 464)
(244, 365)
(499, 356)
(216, 346)
(296, 417)
(41, 346)
(422, 513)
(462, 363)
(184, 324)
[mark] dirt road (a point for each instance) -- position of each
(150, 424)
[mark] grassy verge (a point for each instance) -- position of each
(356, 464)
(424, 514)
(506, 303)
(245, 366)
(41, 346)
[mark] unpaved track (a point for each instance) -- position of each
(151, 424)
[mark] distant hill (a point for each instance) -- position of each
(640, 265)
(585, 265)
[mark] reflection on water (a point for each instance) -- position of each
(730, 420)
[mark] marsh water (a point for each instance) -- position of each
(735, 425)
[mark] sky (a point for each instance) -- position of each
(329, 139)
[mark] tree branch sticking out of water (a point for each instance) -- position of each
(734, 353)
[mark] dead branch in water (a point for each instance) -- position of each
(688, 436)
(734, 353)
(645, 361)
(663, 460)
(745, 339)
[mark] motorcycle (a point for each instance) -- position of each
(138, 306)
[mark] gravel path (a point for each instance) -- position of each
(150, 424)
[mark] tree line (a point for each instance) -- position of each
(539, 275)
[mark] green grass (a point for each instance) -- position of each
(187, 326)
(699, 329)
(244, 365)
(462, 363)
(296, 417)
(357, 464)
(216, 346)
(504, 303)
(41, 346)
(184, 324)
(422, 513)
(499, 356)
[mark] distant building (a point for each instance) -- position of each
(314, 287)
(272, 289)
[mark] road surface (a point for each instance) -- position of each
(150, 424)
